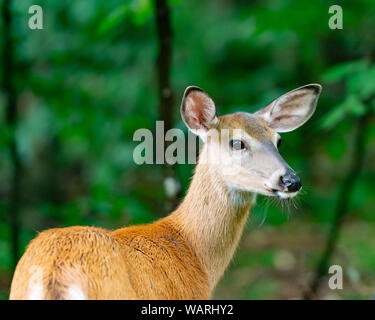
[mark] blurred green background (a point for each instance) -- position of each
(88, 80)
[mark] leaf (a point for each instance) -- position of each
(342, 70)
(141, 11)
(333, 117)
(362, 83)
(113, 19)
(350, 106)
(354, 106)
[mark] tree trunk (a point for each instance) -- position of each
(11, 118)
(343, 202)
(166, 99)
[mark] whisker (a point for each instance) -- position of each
(265, 213)
(288, 206)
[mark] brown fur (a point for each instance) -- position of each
(179, 257)
(140, 262)
(253, 125)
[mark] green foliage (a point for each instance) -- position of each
(87, 81)
(138, 11)
(351, 106)
(358, 77)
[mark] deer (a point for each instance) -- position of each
(183, 255)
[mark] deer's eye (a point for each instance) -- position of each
(279, 143)
(237, 144)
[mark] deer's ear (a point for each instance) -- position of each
(292, 109)
(198, 111)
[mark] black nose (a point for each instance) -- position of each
(290, 181)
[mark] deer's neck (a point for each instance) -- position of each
(212, 219)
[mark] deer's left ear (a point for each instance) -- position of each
(292, 109)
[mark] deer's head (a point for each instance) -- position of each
(243, 148)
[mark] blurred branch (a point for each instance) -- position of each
(11, 118)
(343, 201)
(166, 101)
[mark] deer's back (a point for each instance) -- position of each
(140, 262)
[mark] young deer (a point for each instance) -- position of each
(183, 255)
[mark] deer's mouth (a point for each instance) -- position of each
(284, 194)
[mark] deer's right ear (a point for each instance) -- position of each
(198, 111)
(292, 109)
